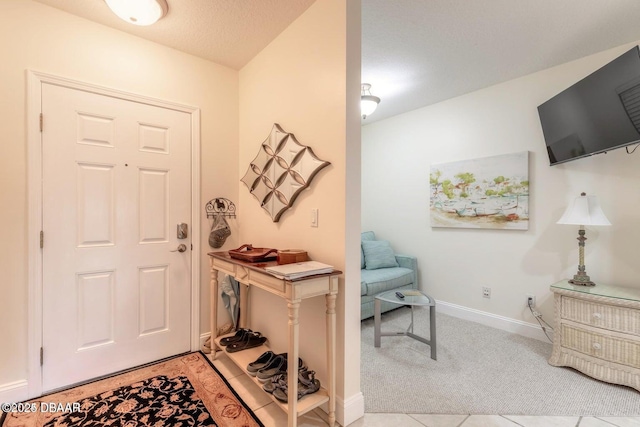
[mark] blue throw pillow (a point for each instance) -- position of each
(365, 235)
(378, 254)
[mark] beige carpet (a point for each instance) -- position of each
(183, 391)
(480, 370)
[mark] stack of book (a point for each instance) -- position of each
(298, 270)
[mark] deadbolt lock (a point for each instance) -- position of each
(182, 231)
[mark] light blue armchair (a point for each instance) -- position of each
(382, 270)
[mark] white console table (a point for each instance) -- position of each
(253, 274)
(597, 331)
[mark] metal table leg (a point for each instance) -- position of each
(432, 324)
(409, 332)
(376, 323)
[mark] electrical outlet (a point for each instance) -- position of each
(486, 292)
(531, 301)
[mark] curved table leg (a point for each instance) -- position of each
(243, 322)
(292, 363)
(331, 356)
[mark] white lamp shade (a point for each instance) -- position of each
(368, 104)
(585, 210)
(138, 12)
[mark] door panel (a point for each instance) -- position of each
(116, 181)
(95, 309)
(153, 199)
(95, 205)
(153, 285)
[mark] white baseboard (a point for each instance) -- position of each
(349, 410)
(16, 391)
(495, 321)
(204, 337)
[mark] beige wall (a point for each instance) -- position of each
(40, 38)
(454, 264)
(299, 81)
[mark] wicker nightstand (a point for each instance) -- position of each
(597, 331)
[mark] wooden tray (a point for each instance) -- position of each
(250, 254)
(289, 256)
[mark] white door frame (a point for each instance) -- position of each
(34, 187)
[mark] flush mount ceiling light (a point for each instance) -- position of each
(368, 102)
(139, 12)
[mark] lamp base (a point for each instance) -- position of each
(581, 280)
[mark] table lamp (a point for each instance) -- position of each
(585, 210)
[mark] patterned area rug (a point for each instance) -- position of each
(183, 391)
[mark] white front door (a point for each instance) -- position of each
(116, 182)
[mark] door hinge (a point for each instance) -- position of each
(41, 239)
(41, 122)
(41, 356)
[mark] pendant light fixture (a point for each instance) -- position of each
(368, 102)
(139, 12)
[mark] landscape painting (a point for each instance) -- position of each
(489, 192)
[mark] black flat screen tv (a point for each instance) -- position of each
(597, 114)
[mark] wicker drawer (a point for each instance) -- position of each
(609, 348)
(619, 319)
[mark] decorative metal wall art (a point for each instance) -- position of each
(280, 171)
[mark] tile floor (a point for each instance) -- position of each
(272, 416)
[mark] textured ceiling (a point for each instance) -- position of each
(419, 52)
(228, 32)
(414, 52)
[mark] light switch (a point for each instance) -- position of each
(314, 217)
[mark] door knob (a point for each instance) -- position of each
(181, 248)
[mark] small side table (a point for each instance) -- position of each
(253, 275)
(411, 298)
